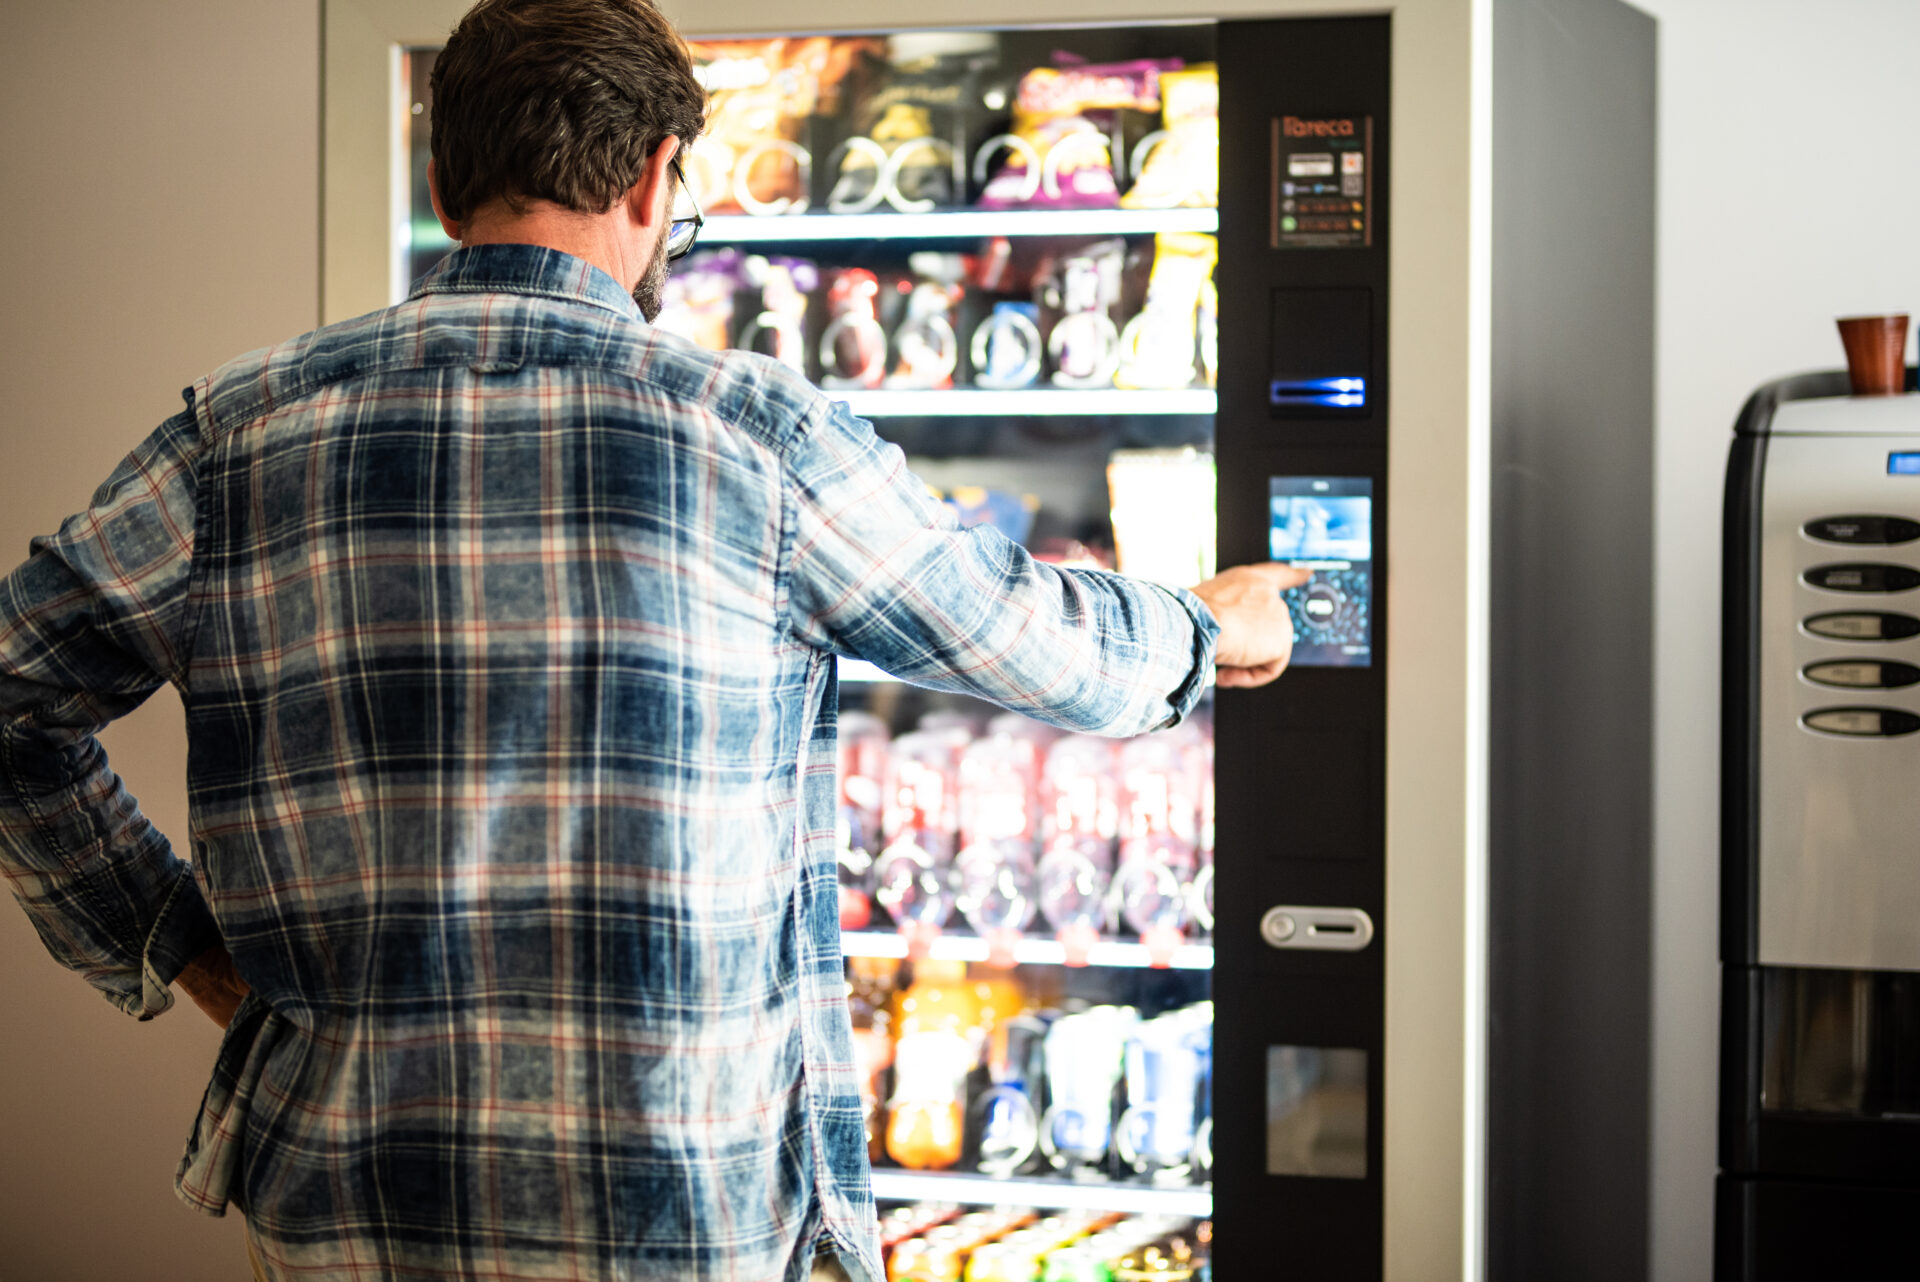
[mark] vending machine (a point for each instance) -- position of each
(1820, 910)
(1120, 292)
(1123, 286)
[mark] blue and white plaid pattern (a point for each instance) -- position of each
(504, 625)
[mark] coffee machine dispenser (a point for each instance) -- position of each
(1820, 836)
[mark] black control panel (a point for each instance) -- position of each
(1306, 169)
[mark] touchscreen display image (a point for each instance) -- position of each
(1325, 523)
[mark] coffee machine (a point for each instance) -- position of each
(1820, 836)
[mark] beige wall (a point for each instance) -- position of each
(161, 170)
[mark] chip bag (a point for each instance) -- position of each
(1179, 163)
(1159, 346)
(1059, 155)
(761, 94)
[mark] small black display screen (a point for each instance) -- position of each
(1325, 523)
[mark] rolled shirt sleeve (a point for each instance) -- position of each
(90, 625)
(883, 572)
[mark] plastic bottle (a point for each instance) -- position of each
(939, 1017)
(913, 878)
(1159, 836)
(999, 813)
(862, 776)
(1081, 807)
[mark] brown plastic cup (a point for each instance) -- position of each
(1876, 353)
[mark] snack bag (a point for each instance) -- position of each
(1011, 514)
(1158, 347)
(697, 303)
(1179, 163)
(1061, 157)
(1164, 523)
(762, 92)
(853, 347)
(777, 330)
(907, 132)
(1078, 293)
(925, 346)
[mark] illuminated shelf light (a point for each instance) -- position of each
(1030, 951)
(1047, 1194)
(860, 672)
(744, 229)
(1029, 402)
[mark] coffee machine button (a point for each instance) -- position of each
(1863, 723)
(1864, 577)
(1881, 530)
(1863, 625)
(1867, 674)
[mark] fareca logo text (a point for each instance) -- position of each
(1294, 127)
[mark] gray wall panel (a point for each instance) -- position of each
(1571, 661)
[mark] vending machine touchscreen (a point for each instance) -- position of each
(1325, 523)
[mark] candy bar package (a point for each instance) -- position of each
(1060, 153)
(754, 156)
(1179, 163)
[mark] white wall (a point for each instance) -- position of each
(1789, 194)
(161, 170)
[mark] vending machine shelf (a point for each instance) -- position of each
(860, 672)
(1042, 1192)
(1031, 950)
(955, 224)
(1034, 402)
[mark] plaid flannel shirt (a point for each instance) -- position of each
(505, 624)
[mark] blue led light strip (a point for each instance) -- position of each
(1336, 393)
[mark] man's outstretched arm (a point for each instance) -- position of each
(91, 624)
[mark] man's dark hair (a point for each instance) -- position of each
(560, 100)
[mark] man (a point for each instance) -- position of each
(505, 627)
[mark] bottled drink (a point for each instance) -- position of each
(1080, 799)
(869, 1001)
(1166, 1061)
(913, 876)
(1009, 1121)
(939, 1018)
(1084, 1053)
(862, 774)
(999, 807)
(1159, 835)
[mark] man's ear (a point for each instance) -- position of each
(650, 200)
(433, 193)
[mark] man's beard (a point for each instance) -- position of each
(646, 295)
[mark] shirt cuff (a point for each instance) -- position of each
(1206, 635)
(182, 930)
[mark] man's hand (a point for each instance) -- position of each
(1256, 632)
(214, 985)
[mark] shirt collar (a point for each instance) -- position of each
(525, 269)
